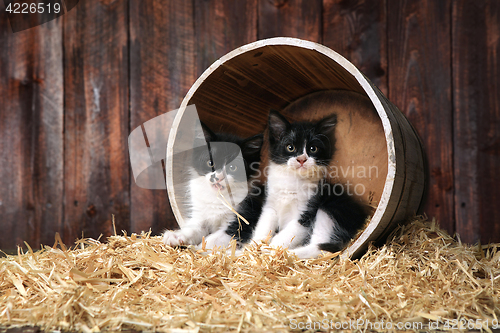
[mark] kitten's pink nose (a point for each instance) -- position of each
(216, 177)
(301, 159)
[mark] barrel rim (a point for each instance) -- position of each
(367, 86)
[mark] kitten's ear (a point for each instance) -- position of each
(204, 133)
(277, 125)
(327, 125)
(252, 145)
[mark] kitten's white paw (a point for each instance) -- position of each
(281, 239)
(307, 252)
(217, 239)
(174, 238)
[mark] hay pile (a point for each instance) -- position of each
(422, 276)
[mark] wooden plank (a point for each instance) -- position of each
(49, 121)
(290, 18)
(16, 87)
(96, 170)
(31, 127)
(476, 83)
(162, 71)
(220, 27)
(420, 85)
(357, 30)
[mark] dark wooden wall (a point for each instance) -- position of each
(72, 89)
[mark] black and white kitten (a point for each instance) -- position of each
(218, 169)
(302, 211)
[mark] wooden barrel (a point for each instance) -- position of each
(304, 79)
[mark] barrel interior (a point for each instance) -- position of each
(241, 91)
(304, 84)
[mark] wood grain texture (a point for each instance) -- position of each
(67, 92)
(476, 83)
(220, 27)
(48, 114)
(162, 70)
(290, 18)
(419, 58)
(238, 95)
(357, 30)
(31, 127)
(96, 170)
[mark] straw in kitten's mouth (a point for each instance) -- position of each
(228, 205)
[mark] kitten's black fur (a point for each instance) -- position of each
(250, 208)
(221, 155)
(349, 214)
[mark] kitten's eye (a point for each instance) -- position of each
(233, 167)
(210, 163)
(290, 148)
(313, 149)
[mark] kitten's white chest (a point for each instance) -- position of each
(288, 195)
(207, 206)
